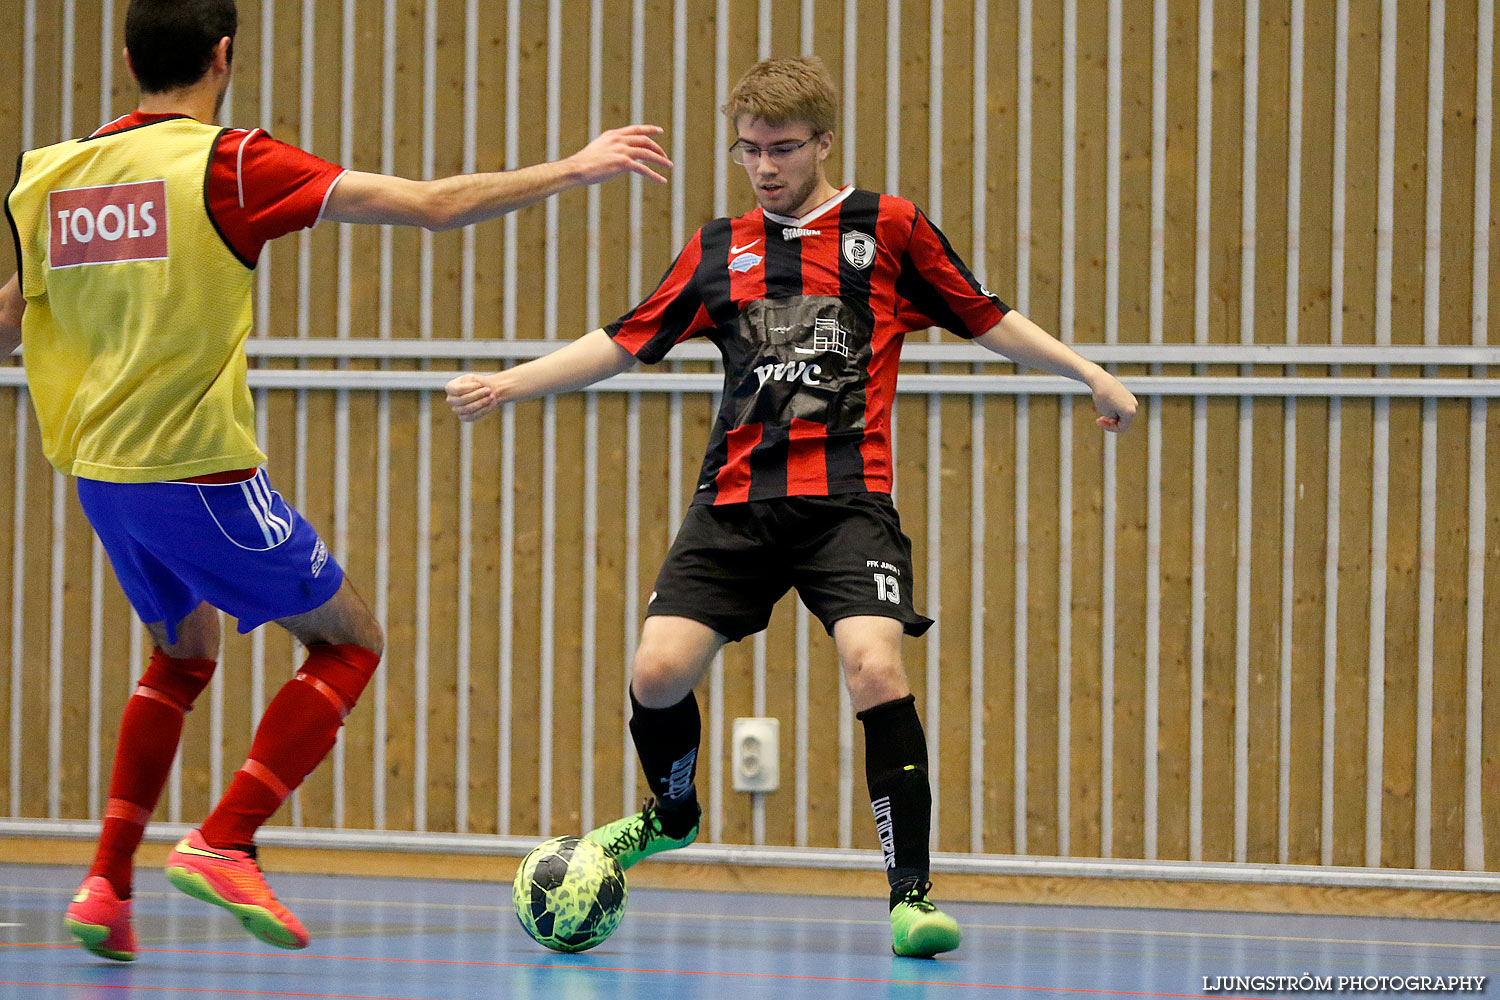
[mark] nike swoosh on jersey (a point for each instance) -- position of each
(734, 250)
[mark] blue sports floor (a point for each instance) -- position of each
(406, 939)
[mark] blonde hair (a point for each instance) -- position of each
(778, 91)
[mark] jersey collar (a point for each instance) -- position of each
(134, 119)
(843, 193)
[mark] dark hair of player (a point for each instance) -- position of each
(171, 42)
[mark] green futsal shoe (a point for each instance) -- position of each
(919, 929)
(640, 836)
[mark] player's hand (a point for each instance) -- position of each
(470, 397)
(1115, 403)
(620, 150)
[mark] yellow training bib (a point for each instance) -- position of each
(136, 309)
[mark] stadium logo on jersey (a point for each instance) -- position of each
(745, 262)
(788, 371)
(790, 233)
(859, 249)
(107, 225)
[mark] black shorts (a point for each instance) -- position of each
(731, 563)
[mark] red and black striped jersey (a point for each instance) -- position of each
(809, 315)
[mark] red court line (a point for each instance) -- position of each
(654, 972)
(216, 991)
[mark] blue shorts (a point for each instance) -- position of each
(238, 546)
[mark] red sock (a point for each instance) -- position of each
(295, 734)
(149, 731)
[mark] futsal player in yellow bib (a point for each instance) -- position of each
(136, 248)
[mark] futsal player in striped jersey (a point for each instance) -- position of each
(136, 248)
(808, 298)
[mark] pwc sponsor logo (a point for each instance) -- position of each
(789, 371)
(106, 225)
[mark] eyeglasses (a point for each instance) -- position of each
(743, 152)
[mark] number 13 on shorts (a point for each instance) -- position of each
(887, 588)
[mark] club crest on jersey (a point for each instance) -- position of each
(859, 249)
(745, 261)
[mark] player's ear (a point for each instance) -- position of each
(223, 57)
(825, 144)
(129, 65)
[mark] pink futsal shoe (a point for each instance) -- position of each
(232, 879)
(100, 920)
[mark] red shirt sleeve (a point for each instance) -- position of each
(669, 315)
(936, 288)
(260, 188)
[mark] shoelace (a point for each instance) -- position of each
(629, 838)
(916, 897)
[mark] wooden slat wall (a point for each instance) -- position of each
(431, 782)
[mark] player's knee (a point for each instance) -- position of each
(873, 659)
(659, 679)
(361, 628)
(357, 629)
(372, 637)
(874, 675)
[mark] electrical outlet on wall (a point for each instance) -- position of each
(756, 755)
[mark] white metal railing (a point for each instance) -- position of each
(955, 353)
(1195, 386)
(1379, 386)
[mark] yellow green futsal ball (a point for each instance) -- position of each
(569, 894)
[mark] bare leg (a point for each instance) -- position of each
(197, 635)
(870, 655)
(673, 656)
(343, 620)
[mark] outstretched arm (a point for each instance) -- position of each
(468, 198)
(1021, 340)
(12, 305)
(588, 359)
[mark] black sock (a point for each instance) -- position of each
(896, 770)
(666, 740)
